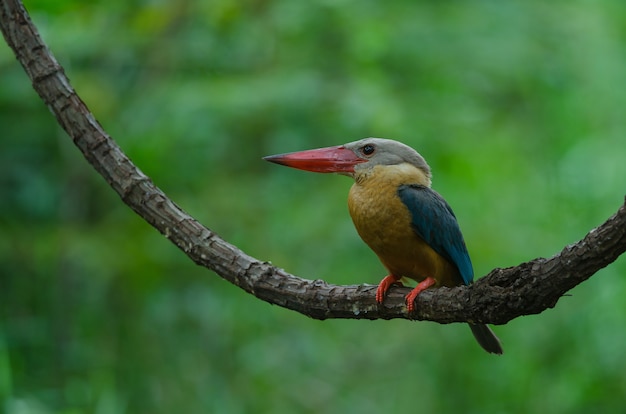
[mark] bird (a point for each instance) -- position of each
(409, 226)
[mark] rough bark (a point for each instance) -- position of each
(497, 298)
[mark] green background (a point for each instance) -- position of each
(518, 106)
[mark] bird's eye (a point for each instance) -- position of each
(368, 149)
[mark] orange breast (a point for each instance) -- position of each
(384, 223)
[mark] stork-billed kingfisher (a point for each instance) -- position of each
(409, 226)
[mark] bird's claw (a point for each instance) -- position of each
(384, 286)
(410, 300)
(421, 286)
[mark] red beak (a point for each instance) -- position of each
(325, 160)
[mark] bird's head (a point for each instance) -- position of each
(355, 159)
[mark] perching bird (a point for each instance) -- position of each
(408, 225)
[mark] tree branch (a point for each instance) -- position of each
(497, 298)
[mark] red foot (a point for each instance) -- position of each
(384, 286)
(410, 298)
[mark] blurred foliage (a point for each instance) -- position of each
(518, 107)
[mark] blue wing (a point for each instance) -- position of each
(434, 221)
